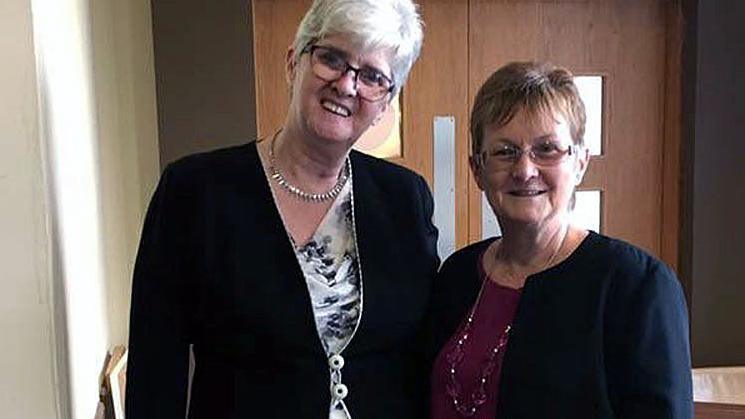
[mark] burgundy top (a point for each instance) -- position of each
(496, 309)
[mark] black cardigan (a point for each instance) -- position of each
(604, 334)
(215, 269)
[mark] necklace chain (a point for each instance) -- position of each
(467, 407)
(315, 198)
(548, 263)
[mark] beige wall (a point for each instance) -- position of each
(98, 90)
(78, 163)
(124, 92)
(26, 353)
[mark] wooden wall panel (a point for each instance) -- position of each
(718, 411)
(438, 86)
(274, 26)
(671, 153)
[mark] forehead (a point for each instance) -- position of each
(356, 53)
(529, 126)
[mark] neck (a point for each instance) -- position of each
(531, 250)
(309, 164)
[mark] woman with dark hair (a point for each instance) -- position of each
(551, 320)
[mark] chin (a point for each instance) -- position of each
(523, 217)
(333, 133)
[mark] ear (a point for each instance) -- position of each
(381, 114)
(583, 159)
(290, 65)
(476, 170)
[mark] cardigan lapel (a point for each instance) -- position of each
(374, 231)
(276, 263)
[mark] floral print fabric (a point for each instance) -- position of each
(329, 264)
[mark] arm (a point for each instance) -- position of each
(430, 229)
(430, 238)
(647, 348)
(159, 333)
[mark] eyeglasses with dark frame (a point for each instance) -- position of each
(330, 64)
(545, 154)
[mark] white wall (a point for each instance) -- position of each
(78, 162)
(27, 388)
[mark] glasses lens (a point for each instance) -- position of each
(372, 83)
(371, 93)
(545, 154)
(548, 153)
(329, 64)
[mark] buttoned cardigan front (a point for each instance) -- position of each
(215, 269)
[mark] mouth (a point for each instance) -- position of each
(336, 108)
(527, 193)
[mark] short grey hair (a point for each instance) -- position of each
(371, 24)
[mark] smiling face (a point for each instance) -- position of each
(332, 110)
(526, 193)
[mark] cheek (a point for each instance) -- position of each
(370, 112)
(564, 185)
(494, 183)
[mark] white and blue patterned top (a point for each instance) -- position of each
(329, 263)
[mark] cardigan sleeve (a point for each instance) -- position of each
(430, 229)
(647, 347)
(157, 367)
(430, 234)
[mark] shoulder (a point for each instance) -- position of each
(225, 169)
(619, 258)
(216, 162)
(635, 275)
(460, 271)
(465, 258)
(456, 285)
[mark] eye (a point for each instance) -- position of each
(331, 58)
(546, 149)
(504, 152)
(373, 77)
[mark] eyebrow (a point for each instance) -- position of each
(546, 137)
(334, 49)
(345, 55)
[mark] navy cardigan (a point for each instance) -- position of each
(215, 269)
(604, 334)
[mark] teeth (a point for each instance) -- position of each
(527, 193)
(337, 109)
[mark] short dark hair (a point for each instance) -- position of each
(533, 86)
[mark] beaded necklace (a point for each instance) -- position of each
(295, 191)
(467, 406)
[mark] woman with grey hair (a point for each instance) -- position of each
(284, 261)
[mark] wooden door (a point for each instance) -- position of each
(626, 44)
(632, 44)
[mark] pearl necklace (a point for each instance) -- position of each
(301, 194)
(467, 407)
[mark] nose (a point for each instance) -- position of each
(346, 85)
(524, 168)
